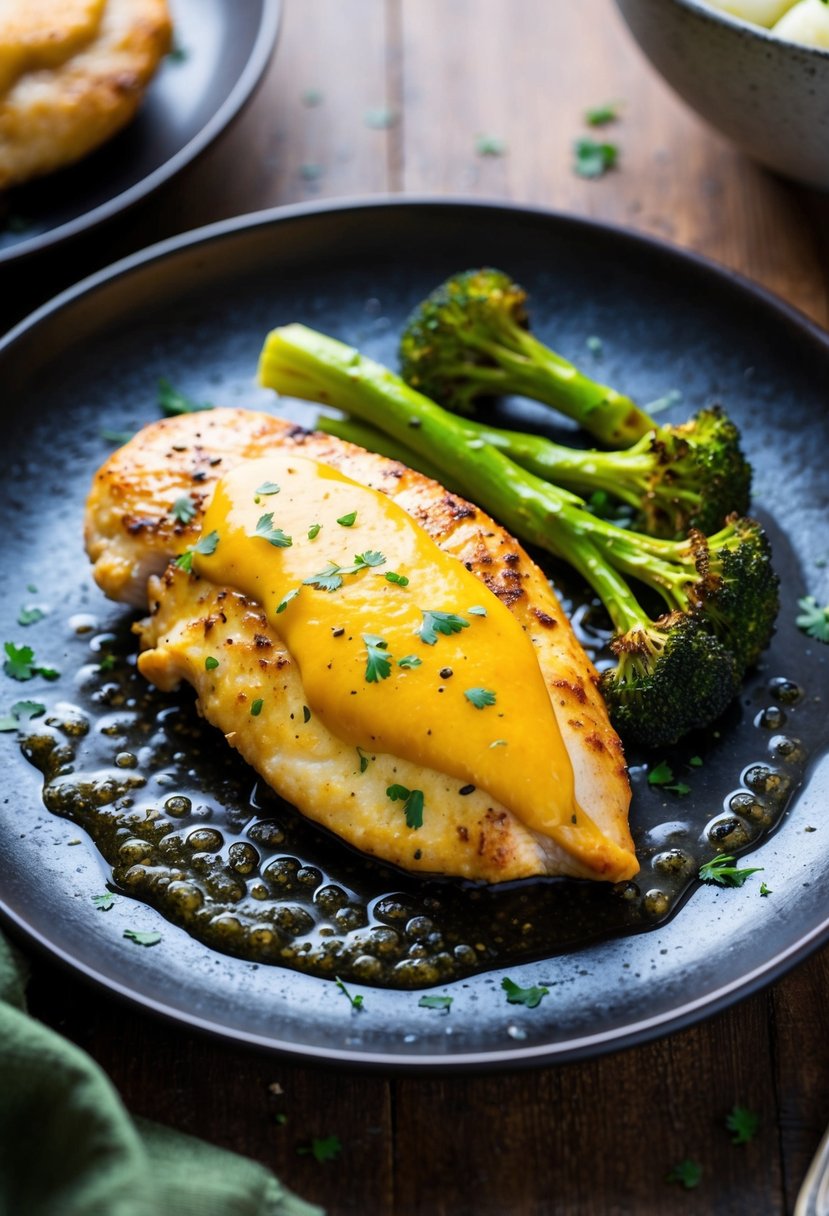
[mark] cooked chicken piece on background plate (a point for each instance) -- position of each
(509, 771)
(72, 73)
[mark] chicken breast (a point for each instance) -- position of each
(131, 533)
(72, 73)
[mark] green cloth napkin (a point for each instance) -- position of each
(68, 1147)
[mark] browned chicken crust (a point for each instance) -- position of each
(72, 73)
(131, 534)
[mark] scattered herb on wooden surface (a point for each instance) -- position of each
(687, 1173)
(743, 1123)
(600, 116)
(593, 158)
(322, 1149)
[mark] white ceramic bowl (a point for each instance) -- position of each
(769, 96)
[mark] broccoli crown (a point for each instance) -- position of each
(737, 589)
(672, 676)
(447, 344)
(699, 476)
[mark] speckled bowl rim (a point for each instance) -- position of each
(718, 16)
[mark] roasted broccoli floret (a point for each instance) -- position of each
(676, 671)
(470, 338)
(670, 668)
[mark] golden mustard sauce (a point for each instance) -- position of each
(348, 642)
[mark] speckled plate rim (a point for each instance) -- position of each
(634, 1032)
(241, 93)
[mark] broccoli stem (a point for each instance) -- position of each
(530, 369)
(622, 607)
(300, 362)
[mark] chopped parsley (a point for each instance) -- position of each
(436, 1002)
(183, 509)
(764, 890)
(720, 870)
(391, 576)
(118, 437)
(274, 536)
(528, 997)
(380, 118)
(322, 1148)
(142, 939)
(743, 1123)
(592, 158)
(107, 662)
(314, 531)
(21, 711)
(476, 610)
(348, 521)
(327, 579)
(286, 599)
(210, 664)
(356, 1002)
(331, 577)
(256, 707)
(20, 664)
(812, 619)
(490, 145)
(663, 775)
(267, 487)
(172, 402)
(30, 616)
(378, 661)
(205, 545)
(409, 660)
(103, 902)
(364, 759)
(412, 804)
(687, 1173)
(696, 762)
(599, 116)
(434, 623)
(480, 697)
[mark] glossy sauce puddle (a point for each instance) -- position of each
(188, 828)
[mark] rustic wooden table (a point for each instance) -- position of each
(404, 90)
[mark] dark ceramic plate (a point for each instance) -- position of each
(222, 49)
(196, 309)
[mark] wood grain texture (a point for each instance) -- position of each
(596, 1138)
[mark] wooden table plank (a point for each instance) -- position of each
(527, 73)
(600, 1136)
